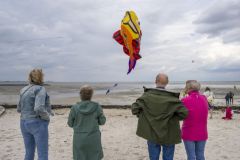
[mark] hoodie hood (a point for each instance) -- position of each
(86, 107)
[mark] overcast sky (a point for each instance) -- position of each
(71, 40)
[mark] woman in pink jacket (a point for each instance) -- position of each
(194, 128)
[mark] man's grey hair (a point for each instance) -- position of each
(193, 86)
(161, 80)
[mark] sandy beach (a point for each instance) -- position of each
(118, 137)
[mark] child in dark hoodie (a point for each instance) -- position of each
(85, 118)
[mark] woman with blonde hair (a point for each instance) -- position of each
(35, 109)
(85, 118)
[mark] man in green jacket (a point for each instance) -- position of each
(159, 112)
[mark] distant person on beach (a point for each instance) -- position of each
(210, 98)
(34, 106)
(227, 98)
(235, 88)
(159, 112)
(231, 95)
(194, 128)
(184, 93)
(85, 118)
(228, 113)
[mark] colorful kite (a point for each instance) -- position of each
(130, 37)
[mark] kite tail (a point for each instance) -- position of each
(131, 65)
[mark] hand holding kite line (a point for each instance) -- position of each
(130, 37)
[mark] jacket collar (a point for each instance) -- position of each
(161, 88)
(193, 92)
(160, 91)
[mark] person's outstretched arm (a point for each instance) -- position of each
(101, 116)
(40, 104)
(137, 107)
(71, 117)
(19, 106)
(181, 112)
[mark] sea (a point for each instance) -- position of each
(121, 93)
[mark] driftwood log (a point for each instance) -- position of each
(2, 110)
(7, 106)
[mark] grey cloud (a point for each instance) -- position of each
(223, 66)
(234, 69)
(87, 50)
(222, 19)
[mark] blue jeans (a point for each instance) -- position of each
(195, 149)
(155, 149)
(35, 133)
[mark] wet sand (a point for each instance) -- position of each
(124, 94)
(118, 137)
